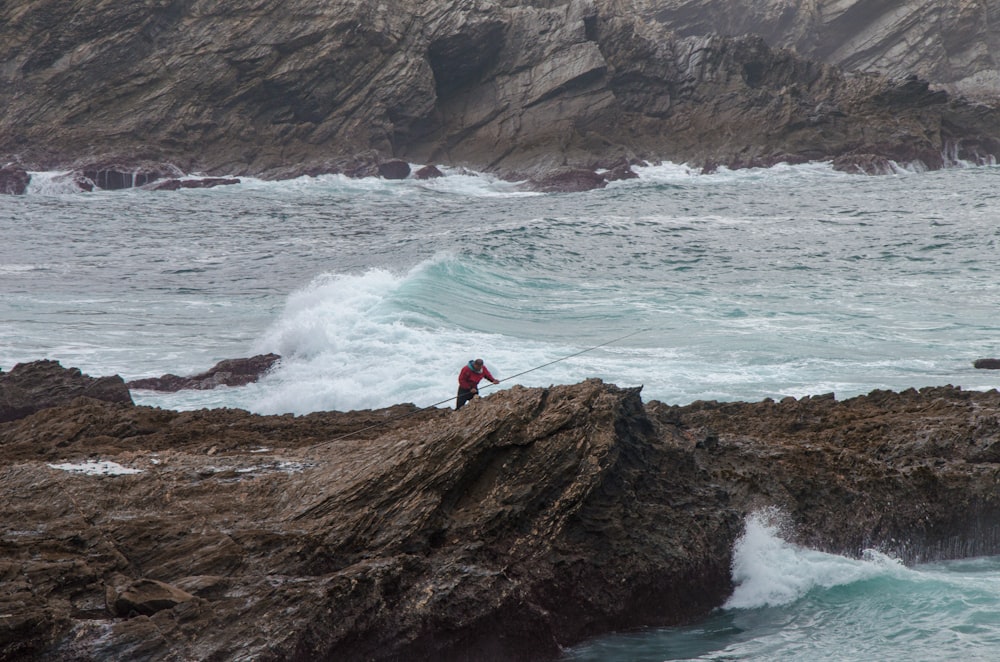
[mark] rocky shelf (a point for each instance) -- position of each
(529, 520)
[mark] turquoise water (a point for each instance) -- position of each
(750, 284)
(793, 603)
(740, 286)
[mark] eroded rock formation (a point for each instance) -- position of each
(528, 520)
(229, 372)
(521, 89)
(953, 43)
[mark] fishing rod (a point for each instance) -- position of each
(500, 381)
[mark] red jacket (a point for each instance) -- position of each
(469, 378)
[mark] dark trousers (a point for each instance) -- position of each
(464, 395)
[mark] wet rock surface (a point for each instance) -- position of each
(229, 372)
(14, 180)
(528, 520)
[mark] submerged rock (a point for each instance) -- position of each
(568, 180)
(987, 364)
(527, 521)
(229, 372)
(201, 182)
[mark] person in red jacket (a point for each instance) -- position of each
(468, 381)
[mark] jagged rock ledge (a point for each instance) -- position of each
(228, 372)
(529, 520)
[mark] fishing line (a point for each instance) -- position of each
(544, 365)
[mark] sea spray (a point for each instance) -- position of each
(792, 603)
(768, 571)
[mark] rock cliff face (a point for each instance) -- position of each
(528, 520)
(291, 87)
(951, 43)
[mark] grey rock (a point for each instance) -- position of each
(278, 89)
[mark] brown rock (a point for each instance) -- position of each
(145, 597)
(13, 180)
(230, 372)
(527, 521)
(394, 169)
(987, 364)
(428, 172)
(30, 387)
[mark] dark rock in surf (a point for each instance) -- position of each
(14, 180)
(203, 182)
(230, 372)
(31, 387)
(863, 164)
(987, 364)
(569, 180)
(428, 172)
(116, 175)
(76, 180)
(619, 173)
(394, 169)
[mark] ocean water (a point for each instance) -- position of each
(742, 285)
(793, 603)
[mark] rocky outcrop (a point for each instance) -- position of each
(394, 169)
(528, 520)
(117, 175)
(523, 90)
(199, 182)
(30, 387)
(229, 372)
(952, 43)
(987, 364)
(13, 180)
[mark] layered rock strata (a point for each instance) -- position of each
(521, 89)
(529, 520)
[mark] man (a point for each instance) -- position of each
(468, 381)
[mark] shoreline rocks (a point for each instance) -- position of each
(530, 520)
(14, 180)
(31, 387)
(229, 372)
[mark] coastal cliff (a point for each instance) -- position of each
(279, 89)
(529, 520)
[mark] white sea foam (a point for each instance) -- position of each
(96, 468)
(768, 571)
